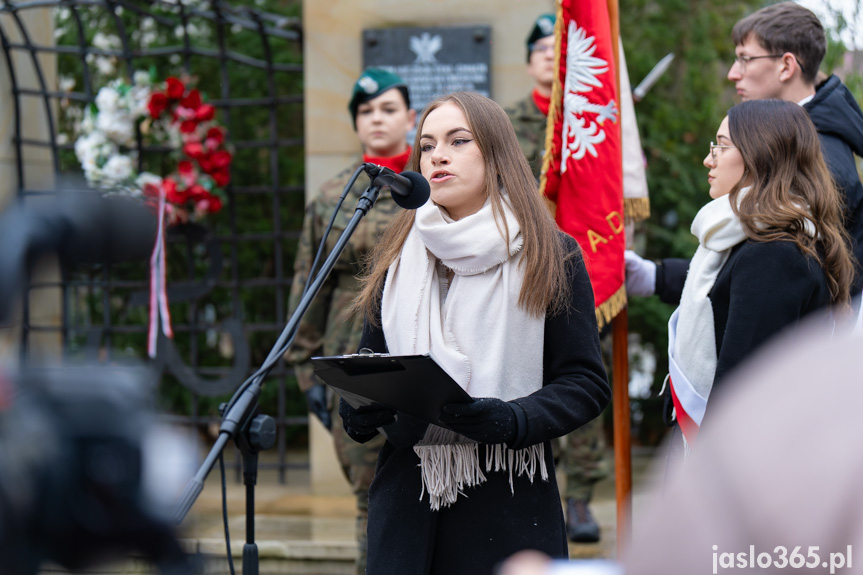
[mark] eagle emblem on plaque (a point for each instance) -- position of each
(425, 46)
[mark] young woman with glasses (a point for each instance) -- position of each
(772, 249)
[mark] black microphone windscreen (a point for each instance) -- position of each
(419, 193)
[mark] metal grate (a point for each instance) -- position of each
(228, 279)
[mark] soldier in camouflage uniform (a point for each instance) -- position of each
(582, 453)
(380, 108)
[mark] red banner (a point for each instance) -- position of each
(582, 173)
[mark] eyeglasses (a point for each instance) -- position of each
(743, 60)
(541, 48)
(714, 147)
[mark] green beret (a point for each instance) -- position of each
(371, 84)
(544, 26)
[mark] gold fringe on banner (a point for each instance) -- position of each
(555, 109)
(636, 209)
(611, 307)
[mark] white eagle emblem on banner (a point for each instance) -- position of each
(581, 134)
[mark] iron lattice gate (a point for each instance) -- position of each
(228, 278)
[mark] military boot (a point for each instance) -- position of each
(581, 527)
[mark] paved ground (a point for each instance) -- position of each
(297, 532)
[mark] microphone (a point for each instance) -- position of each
(410, 190)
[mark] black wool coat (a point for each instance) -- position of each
(490, 522)
(763, 288)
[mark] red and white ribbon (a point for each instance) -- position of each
(159, 312)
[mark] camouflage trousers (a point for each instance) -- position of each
(581, 456)
(358, 462)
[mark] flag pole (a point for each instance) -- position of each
(620, 372)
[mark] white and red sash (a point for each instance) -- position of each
(689, 405)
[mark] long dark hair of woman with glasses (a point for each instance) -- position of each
(772, 249)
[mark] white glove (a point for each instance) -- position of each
(640, 275)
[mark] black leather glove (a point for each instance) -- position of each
(316, 400)
(487, 420)
(362, 423)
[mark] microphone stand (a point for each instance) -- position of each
(241, 420)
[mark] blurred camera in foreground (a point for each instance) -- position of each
(87, 472)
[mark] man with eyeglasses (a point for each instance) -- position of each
(778, 52)
(582, 453)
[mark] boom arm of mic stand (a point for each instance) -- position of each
(236, 416)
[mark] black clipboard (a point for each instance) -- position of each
(413, 384)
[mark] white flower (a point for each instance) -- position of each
(149, 38)
(87, 147)
(141, 78)
(62, 138)
(105, 42)
(117, 127)
(107, 100)
(145, 178)
(117, 169)
(106, 66)
(66, 83)
(139, 97)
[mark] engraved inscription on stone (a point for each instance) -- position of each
(432, 61)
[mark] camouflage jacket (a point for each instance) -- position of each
(529, 123)
(328, 328)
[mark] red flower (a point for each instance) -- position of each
(198, 192)
(175, 88)
(151, 190)
(217, 135)
(169, 185)
(185, 168)
(206, 112)
(221, 177)
(192, 100)
(193, 150)
(189, 126)
(173, 194)
(215, 204)
(157, 104)
(221, 159)
(205, 161)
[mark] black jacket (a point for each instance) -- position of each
(839, 122)
(763, 288)
(478, 531)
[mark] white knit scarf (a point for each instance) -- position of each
(474, 329)
(718, 230)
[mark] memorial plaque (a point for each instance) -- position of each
(432, 61)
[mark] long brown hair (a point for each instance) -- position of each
(790, 184)
(545, 288)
